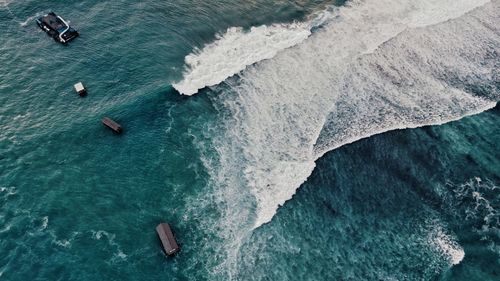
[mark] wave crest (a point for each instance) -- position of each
(235, 50)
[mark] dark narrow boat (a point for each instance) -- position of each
(57, 28)
(108, 122)
(167, 239)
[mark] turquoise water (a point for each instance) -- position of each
(367, 210)
(79, 203)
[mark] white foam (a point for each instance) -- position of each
(6, 228)
(341, 85)
(63, 243)
(100, 233)
(110, 237)
(30, 20)
(474, 199)
(376, 66)
(8, 191)
(45, 223)
(66, 243)
(445, 244)
(234, 50)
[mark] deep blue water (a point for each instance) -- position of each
(80, 203)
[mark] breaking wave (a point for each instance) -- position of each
(236, 49)
(371, 70)
(375, 66)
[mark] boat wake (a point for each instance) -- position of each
(375, 66)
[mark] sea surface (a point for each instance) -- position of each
(282, 140)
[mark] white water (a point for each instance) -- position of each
(235, 50)
(478, 200)
(445, 244)
(377, 66)
(30, 20)
(370, 70)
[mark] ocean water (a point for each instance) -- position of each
(283, 140)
